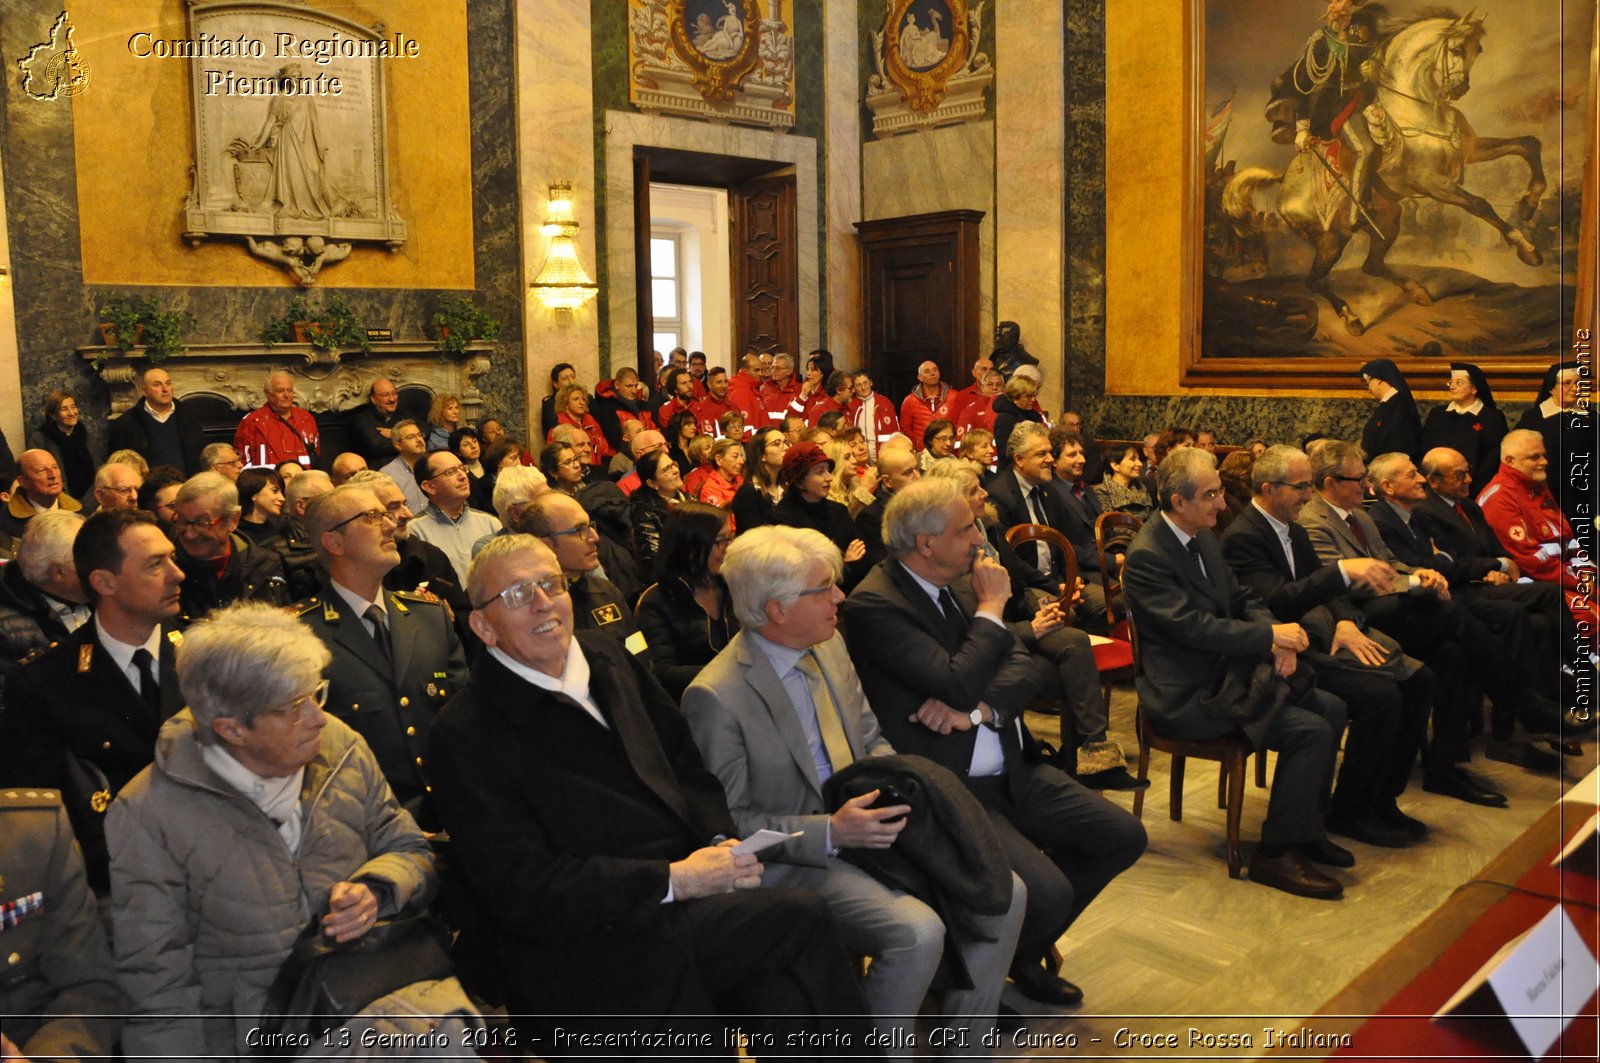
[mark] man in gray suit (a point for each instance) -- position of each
(1196, 624)
(776, 713)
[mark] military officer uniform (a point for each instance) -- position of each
(76, 722)
(390, 694)
(599, 605)
(58, 990)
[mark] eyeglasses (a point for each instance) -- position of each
(295, 710)
(570, 463)
(1212, 495)
(824, 589)
(374, 517)
(454, 470)
(1303, 485)
(195, 524)
(520, 594)
(580, 530)
(234, 463)
(125, 492)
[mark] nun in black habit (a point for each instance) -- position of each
(1395, 426)
(1568, 428)
(1469, 424)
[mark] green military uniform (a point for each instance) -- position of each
(391, 702)
(598, 605)
(53, 954)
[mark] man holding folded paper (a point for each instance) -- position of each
(776, 714)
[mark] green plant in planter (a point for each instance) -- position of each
(327, 326)
(137, 321)
(460, 322)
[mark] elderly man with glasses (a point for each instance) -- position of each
(395, 655)
(219, 565)
(600, 849)
(448, 522)
(39, 490)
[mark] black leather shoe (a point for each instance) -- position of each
(1044, 987)
(1371, 830)
(1462, 788)
(1392, 815)
(1113, 779)
(1323, 851)
(1291, 874)
(1524, 754)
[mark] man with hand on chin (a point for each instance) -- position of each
(590, 830)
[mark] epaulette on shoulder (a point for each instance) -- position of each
(16, 798)
(416, 596)
(302, 607)
(37, 655)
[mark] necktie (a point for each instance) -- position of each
(380, 631)
(1036, 497)
(1361, 536)
(149, 689)
(954, 619)
(1193, 546)
(828, 723)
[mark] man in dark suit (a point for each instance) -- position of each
(953, 689)
(1459, 529)
(775, 715)
(1388, 695)
(1195, 623)
(1527, 637)
(372, 425)
(158, 428)
(396, 657)
(598, 846)
(1419, 613)
(82, 717)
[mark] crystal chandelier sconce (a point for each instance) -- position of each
(562, 284)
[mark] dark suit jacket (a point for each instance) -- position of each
(1188, 625)
(565, 829)
(392, 706)
(1067, 515)
(1414, 543)
(74, 722)
(1255, 554)
(366, 439)
(1469, 540)
(132, 432)
(905, 655)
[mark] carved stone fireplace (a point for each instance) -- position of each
(225, 381)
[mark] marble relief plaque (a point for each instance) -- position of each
(724, 60)
(290, 133)
(928, 69)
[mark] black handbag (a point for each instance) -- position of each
(322, 984)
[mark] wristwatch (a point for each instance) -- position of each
(976, 716)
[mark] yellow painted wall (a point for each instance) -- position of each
(133, 139)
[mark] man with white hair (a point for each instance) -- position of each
(39, 490)
(953, 689)
(41, 598)
(220, 566)
(116, 486)
(776, 714)
(279, 430)
(221, 458)
(580, 810)
(514, 488)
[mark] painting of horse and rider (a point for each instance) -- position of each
(1390, 179)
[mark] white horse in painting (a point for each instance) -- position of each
(1426, 142)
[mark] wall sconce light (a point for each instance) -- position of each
(562, 284)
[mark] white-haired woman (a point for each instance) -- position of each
(259, 815)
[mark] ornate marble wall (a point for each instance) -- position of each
(56, 309)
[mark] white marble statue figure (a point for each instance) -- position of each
(922, 48)
(293, 137)
(726, 40)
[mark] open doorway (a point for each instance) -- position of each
(690, 294)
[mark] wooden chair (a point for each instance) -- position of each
(1230, 752)
(1109, 658)
(1114, 529)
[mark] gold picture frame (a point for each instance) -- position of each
(921, 67)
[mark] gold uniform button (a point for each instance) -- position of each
(419, 760)
(404, 702)
(105, 745)
(354, 706)
(411, 732)
(13, 959)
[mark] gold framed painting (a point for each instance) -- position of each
(1390, 180)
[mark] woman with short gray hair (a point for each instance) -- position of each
(259, 816)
